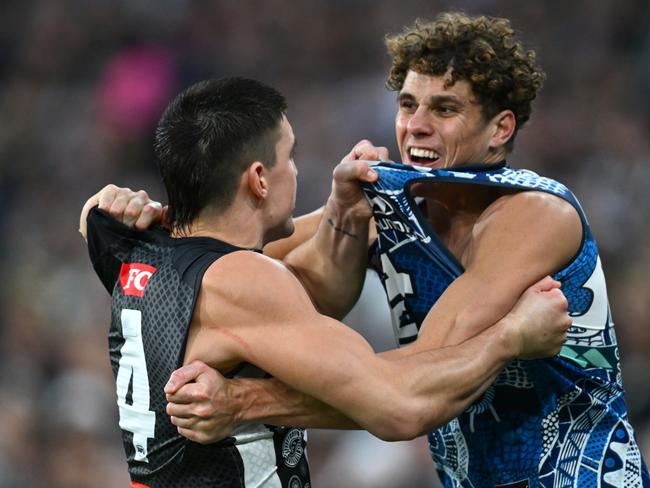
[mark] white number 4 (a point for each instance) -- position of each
(135, 418)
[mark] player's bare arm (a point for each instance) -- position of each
(392, 399)
(332, 264)
(206, 407)
(518, 240)
(346, 196)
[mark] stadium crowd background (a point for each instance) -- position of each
(82, 83)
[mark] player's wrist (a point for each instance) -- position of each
(256, 400)
(239, 399)
(353, 209)
(509, 337)
(351, 220)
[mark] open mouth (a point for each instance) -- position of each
(423, 156)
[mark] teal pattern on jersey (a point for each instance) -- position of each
(557, 422)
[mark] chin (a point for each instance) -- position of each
(282, 231)
(290, 228)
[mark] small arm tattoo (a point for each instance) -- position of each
(342, 231)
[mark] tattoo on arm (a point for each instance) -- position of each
(341, 230)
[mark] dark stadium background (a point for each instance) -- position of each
(82, 82)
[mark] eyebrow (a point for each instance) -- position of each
(433, 99)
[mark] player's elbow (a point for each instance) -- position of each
(396, 433)
(393, 430)
(408, 422)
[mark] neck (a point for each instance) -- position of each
(495, 155)
(240, 229)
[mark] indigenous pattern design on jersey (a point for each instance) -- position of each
(557, 422)
(154, 280)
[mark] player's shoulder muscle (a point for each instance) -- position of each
(529, 225)
(255, 284)
(525, 204)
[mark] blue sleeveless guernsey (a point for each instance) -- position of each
(556, 422)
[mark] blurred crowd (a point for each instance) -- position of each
(82, 84)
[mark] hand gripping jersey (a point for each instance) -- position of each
(557, 422)
(154, 280)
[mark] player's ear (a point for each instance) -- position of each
(503, 124)
(255, 177)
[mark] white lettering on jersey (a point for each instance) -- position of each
(398, 285)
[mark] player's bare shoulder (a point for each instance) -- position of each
(249, 283)
(241, 293)
(535, 208)
(531, 224)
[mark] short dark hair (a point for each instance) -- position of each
(206, 138)
(483, 51)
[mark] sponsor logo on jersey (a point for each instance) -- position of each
(380, 206)
(292, 448)
(134, 278)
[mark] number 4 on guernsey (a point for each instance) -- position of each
(136, 417)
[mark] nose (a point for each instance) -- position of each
(419, 124)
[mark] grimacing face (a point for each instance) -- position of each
(442, 127)
(282, 180)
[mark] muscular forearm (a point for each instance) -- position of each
(462, 373)
(272, 402)
(428, 389)
(451, 321)
(332, 264)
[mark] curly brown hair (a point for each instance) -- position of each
(481, 50)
